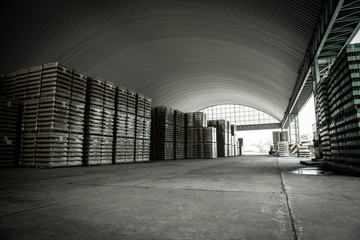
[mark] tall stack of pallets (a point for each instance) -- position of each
(77, 118)
(195, 122)
(52, 126)
(240, 146)
(233, 141)
(53, 101)
(276, 139)
(344, 110)
(9, 111)
(122, 153)
(222, 136)
(131, 129)
(199, 124)
(210, 146)
(131, 133)
(99, 122)
(162, 133)
(142, 128)
(323, 115)
(124, 126)
(198, 142)
(179, 134)
(68, 119)
(189, 136)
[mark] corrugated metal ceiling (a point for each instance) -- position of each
(184, 54)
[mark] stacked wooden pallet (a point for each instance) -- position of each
(210, 146)
(52, 114)
(179, 134)
(99, 122)
(162, 133)
(9, 111)
(276, 139)
(143, 128)
(283, 149)
(68, 119)
(303, 151)
(190, 136)
(344, 110)
(240, 146)
(195, 123)
(223, 136)
(322, 109)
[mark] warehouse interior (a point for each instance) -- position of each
(124, 119)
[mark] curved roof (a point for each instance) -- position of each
(187, 54)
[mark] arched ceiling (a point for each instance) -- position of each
(186, 54)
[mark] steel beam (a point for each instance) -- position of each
(338, 23)
(258, 126)
(331, 8)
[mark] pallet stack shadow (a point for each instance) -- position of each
(53, 98)
(344, 110)
(179, 134)
(9, 111)
(162, 133)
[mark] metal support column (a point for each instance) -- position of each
(294, 136)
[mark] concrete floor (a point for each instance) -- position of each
(247, 197)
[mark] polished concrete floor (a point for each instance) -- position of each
(247, 197)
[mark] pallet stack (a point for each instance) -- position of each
(199, 124)
(2, 85)
(233, 141)
(222, 136)
(276, 139)
(195, 122)
(142, 128)
(131, 124)
(344, 110)
(162, 133)
(198, 142)
(240, 146)
(179, 134)
(68, 119)
(99, 122)
(210, 146)
(16, 84)
(53, 97)
(283, 149)
(303, 151)
(9, 110)
(190, 136)
(77, 118)
(131, 133)
(322, 112)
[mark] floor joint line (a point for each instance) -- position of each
(293, 229)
